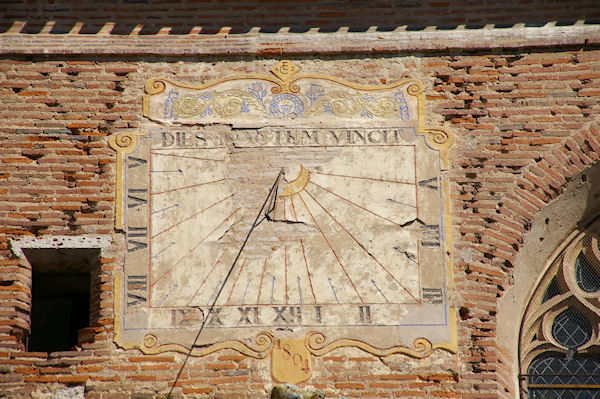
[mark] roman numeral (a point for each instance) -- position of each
(433, 295)
(134, 162)
(137, 233)
(134, 199)
(430, 235)
(429, 183)
(137, 285)
(364, 313)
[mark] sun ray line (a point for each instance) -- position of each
(308, 273)
(416, 187)
(284, 209)
(356, 205)
(261, 281)
(274, 212)
(419, 274)
(364, 178)
(205, 278)
(187, 156)
(273, 279)
(361, 246)
(236, 280)
(194, 248)
(246, 291)
(332, 250)
(299, 290)
(190, 217)
(285, 278)
(186, 187)
(293, 208)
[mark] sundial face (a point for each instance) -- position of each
(327, 240)
(301, 219)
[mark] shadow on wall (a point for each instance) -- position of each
(235, 17)
(592, 209)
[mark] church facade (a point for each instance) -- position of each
(356, 201)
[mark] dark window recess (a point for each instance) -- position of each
(552, 290)
(587, 278)
(60, 296)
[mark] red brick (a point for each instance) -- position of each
(73, 379)
(350, 385)
(40, 378)
(205, 390)
(32, 93)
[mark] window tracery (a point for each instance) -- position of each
(559, 344)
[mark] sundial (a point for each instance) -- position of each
(284, 211)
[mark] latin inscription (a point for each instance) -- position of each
(284, 137)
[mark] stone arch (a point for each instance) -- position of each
(539, 185)
(556, 197)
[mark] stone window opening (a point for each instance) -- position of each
(65, 290)
(60, 296)
(559, 346)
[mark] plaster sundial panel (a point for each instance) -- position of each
(320, 213)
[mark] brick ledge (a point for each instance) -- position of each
(262, 44)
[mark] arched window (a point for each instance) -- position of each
(559, 346)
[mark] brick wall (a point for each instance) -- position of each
(525, 123)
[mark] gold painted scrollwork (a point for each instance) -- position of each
(149, 341)
(318, 346)
(438, 137)
(225, 104)
(189, 106)
(383, 107)
(342, 104)
(293, 88)
(263, 345)
(414, 89)
(349, 105)
(232, 102)
(124, 142)
(155, 86)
